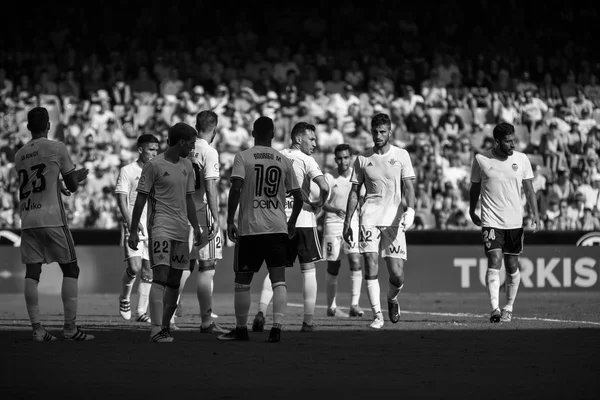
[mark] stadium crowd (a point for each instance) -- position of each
(444, 95)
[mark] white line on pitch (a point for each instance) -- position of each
(468, 315)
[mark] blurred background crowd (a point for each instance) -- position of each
(445, 76)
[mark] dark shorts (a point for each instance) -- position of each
(251, 251)
(510, 241)
(305, 246)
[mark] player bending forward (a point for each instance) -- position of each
(498, 176)
(384, 170)
(167, 184)
(137, 260)
(335, 211)
(45, 236)
(260, 179)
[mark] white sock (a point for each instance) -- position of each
(241, 305)
(266, 295)
(157, 293)
(374, 294)
(170, 298)
(126, 284)
(279, 304)
(143, 292)
(32, 302)
(204, 293)
(331, 281)
(492, 278)
(184, 277)
(512, 287)
(309, 292)
(355, 287)
(69, 298)
(393, 292)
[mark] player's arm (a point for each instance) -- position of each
(350, 210)
(121, 191)
(532, 202)
(408, 217)
(191, 211)
(189, 202)
(71, 176)
(138, 208)
(212, 195)
(232, 204)
(323, 187)
(475, 191)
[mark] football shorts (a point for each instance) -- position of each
(252, 250)
(510, 241)
(169, 252)
(142, 250)
(208, 250)
(304, 246)
(333, 242)
(47, 245)
(388, 241)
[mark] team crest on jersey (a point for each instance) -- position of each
(142, 179)
(393, 161)
(216, 166)
(184, 172)
(515, 167)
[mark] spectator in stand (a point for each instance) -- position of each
(450, 125)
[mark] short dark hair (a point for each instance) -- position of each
(502, 130)
(301, 127)
(147, 138)
(206, 120)
(263, 127)
(381, 119)
(341, 147)
(37, 120)
(180, 131)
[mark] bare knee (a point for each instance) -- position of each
(70, 270)
(494, 259)
(174, 278)
(243, 278)
(160, 274)
(354, 261)
(33, 271)
(511, 263)
(307, 267)
(333, 267)
(277, 276)
(134, 264)
(204, 266)
(371, 264)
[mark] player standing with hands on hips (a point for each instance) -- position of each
(498, 176)
(384, 170)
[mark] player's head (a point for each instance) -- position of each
(304, 137)
(504, 136)
(206, 123)
(263, 130)
(342, 157)
(38, 121)
(381, 129)
(147, 146)
(183, 136)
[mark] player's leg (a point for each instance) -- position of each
(493, 240)
(144, 292)
(208, 255)
(134, 265)
(332, 249)
(356, 277)
(160, 275)
(172, 291)
(277, 275)
(512, 249)
(309, 251)
(394, 251)
(368, 242)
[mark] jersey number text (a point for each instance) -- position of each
(38, 181)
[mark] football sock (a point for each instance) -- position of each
(492, 278)
(126, 284)
(143, 292)
(512, 286)
(241, 305)
(394, 291)
(169, 304)
(184, 277)
(265, 295)
(331, 281)
(204, 293)
(309, 292)
(32, 302)
(279, 303)
(355, 286)
(69, 298)
(374, 294)
(157, 293)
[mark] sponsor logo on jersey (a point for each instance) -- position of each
(30, 205)
(266, 204)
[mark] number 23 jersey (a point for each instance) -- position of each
(39, 164)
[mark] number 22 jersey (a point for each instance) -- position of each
(39, 164)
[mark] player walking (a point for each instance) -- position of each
(499, 175)
(384, 170)
(167, 183)
(45, 236)
(335, 211)
(137, 260)
(305, 244)
(260, 179)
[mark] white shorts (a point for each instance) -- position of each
(169, 252)
(142, 250)
(333, 242)
(388, 241)
(207, 251)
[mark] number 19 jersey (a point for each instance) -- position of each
(40, 164)
(268, 176)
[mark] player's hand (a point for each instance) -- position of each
(316, 206)
(142, 232)
(348, 234)
(213, 230)
(133, 240)
(407, 219)
(197, 237)
(341, 213)
(475, 218)
(64, 190)
(232, 232)
(81, 174)
(291, 230)
(535, 224)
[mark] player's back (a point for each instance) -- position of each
(39, 164)
(267, 175)
(205, 160)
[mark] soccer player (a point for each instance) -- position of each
(335, 211)
(205, 161)
(260, 178)
(498, 176)
(384, 170)
(305, 244)
(137, 260)
(45, 236)
(167, 184)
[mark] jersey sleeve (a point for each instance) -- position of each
(312, 168)
(527, 170)
(64, 160)
(239, 169)
(122, 182)
(475, 171)
(407, 168)
(146, 182)
(291, 183)
(211, 169)
(358, 176)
